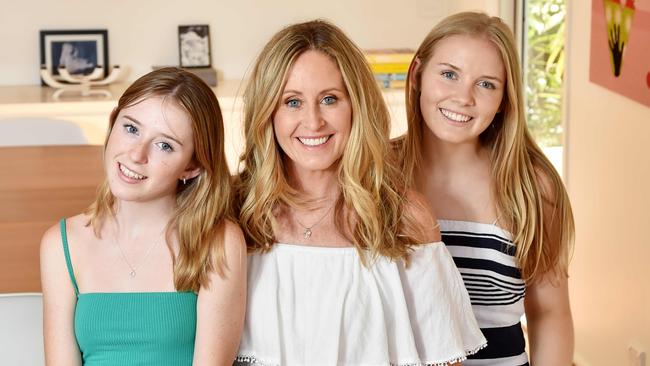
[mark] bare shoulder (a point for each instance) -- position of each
(233, 235)
(417, 207)
(54, 274)
(547, 183)
(52, 240)
(234, 242)
(51, 243)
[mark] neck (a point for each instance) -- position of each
(135, 221)
(314, 185)
(451, 159)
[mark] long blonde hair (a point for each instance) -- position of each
(520, 170)
(370, 181)
(204, 203)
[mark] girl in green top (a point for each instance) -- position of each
(154, 272)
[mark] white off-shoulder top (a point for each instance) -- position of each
(320, 306)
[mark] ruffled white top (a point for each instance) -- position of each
(321, 306)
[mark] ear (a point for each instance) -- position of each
(191, 171)
(414, 68)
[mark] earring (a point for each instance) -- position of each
(184, 181)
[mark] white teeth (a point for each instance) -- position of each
(455, 116)
(130, 174)
(313, 141)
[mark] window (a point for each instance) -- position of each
(543, 63)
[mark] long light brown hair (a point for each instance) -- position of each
(524, 179)
(370, 181)
(204, 202)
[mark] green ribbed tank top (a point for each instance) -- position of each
(133, 328)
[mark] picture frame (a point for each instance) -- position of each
(194, 46)
(80, 51)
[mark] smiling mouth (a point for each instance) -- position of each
(456, 117)
(130, 173)
(314, 141)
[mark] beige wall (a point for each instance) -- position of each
(144, 32)
(608, 175)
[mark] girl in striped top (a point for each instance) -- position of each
(507, 218)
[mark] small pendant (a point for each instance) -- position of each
(307, 233)
(132, 274)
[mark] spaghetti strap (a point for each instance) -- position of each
(66, 252)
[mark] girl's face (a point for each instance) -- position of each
(313, 121)
(462, 88)
(149, 150)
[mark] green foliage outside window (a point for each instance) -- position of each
(544, 69)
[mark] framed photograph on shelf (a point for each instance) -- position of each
(194, 45)
(79, 51)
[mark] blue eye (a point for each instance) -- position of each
(448, 75)
(486, 84)
(328, 100)
(131, 129)
(293, 103)
(165, 146)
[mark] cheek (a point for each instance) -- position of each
(493, 103)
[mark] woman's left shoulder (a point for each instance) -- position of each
(418, 208)
(548, 183)
(233, 235)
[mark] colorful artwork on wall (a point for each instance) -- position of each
(620, 47)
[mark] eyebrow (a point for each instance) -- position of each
(163, 134)
(292, 91)
(456, 68)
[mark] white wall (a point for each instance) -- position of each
(608, 172)
(143, 33)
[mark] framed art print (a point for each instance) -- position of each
(194, 45)
(79, 51)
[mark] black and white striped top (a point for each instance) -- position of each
(485, 257)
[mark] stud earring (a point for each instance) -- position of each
(184, 181)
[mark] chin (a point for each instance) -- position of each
(320, 165)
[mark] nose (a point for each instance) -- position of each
(464, 93)
(313, 118)
(139, 152)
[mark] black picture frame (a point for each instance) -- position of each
(79, 50)
(194, 46)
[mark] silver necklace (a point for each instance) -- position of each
(308, 229)
(134, 271)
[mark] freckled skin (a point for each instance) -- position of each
(152, 138)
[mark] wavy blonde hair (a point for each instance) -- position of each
(371, 185)
(204, 203)
(524, 179)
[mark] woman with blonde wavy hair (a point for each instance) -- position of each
(125, 282)
(507, 220)
(346, 266)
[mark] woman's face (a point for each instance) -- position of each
(462, 87)
(149, 150)
(313, 120)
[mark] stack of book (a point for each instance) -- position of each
(390, 66)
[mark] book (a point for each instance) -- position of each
(390, 66)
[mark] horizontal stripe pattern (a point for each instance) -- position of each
(485, 257)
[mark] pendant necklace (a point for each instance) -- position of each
(308, 229)
(134, 271)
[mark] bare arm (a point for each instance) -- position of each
(221, 307)
(550, 326)
(548, 313)
(59, 301)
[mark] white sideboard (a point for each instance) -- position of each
(90, 114)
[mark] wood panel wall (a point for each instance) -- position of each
(38, 186)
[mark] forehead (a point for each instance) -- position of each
(161, 113)
(314, 69)
(471, 53)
